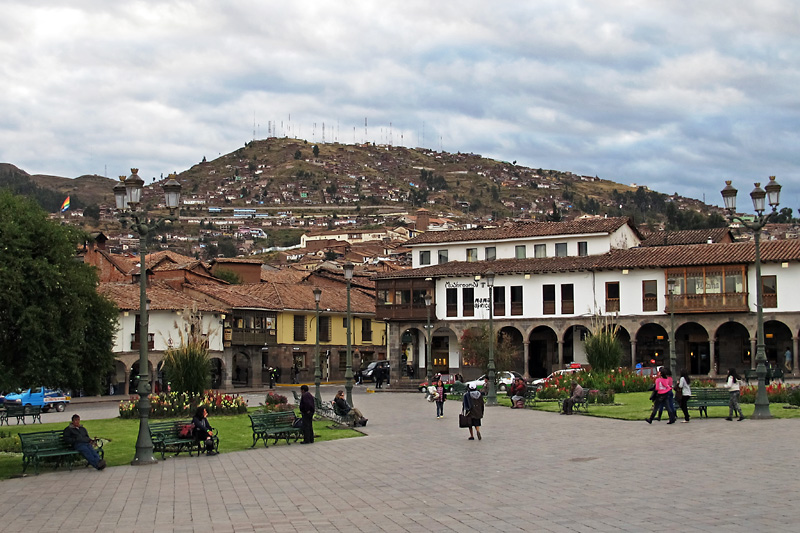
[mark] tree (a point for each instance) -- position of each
(228, 275)
(298, 154)
(55, 328)
(475, 348)
(92, 211)
(316, 150)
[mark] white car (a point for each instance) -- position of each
(542, 381)
(504, 380)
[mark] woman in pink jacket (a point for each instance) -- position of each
(663, 388)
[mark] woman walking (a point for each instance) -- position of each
(733, 386)
(663, 388)
(441, 397)
(686, 393)
(473, 408)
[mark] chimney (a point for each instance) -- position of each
(423, 219)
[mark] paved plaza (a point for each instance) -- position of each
(532, 471)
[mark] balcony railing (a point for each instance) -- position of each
(252, 337)
(709, 303)
(135, 344)
(403, 311)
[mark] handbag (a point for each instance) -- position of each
(464, 421)
(678, 393)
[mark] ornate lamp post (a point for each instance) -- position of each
(317, 370)
(772, 193)
(348, 374)
(673, 359)
(127, 196)
(428, 355)
(491, 398)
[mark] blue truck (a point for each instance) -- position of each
(45, 398)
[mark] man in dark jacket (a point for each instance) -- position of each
(76, 435)
(307, 408)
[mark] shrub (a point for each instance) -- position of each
(793, 395)
(9, 443)
(187, 367)
(776, 393)
(601, 397)
(703, 384)
(275, 402)
(619, 380)
(603, 350)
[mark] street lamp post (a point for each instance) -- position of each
(428, 355)
(772, 192)
(491, 398)
(127, 195)
(317, 370)
(673, 358)
(348, 374)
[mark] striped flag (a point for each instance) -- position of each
(65, 205)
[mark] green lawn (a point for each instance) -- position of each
(234, 435)
(637, 406)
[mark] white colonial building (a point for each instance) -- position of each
(552, 280)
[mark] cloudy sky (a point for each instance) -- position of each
(676, 95)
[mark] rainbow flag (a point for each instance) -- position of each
(65, 205)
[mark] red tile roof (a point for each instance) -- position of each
(161, 296)
(524, 229)
(696, 236)
(643, 257)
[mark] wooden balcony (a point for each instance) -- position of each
(135, 344)
(403, 312)
(709, 303)
(242, 337)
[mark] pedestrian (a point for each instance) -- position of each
(203, 432)
(271, 372)
(439, 399)
(670, 403)
(307, 408)
(733, 385)
(663, 387)
(344, 407)
(686, 393)
(472, 406)
(295, 373)
(788, 360)
(378, 373)
(76, 435)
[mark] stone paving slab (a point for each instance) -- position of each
(532, 471)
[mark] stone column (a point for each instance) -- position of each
(560, 354)
(227, 370)
(633, 354)
(795, 346)
(525, 354)
(753, 344)
(712, 359)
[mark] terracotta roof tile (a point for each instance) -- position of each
(161, 296)
(523, 229)
(696, 236)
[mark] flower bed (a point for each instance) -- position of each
(174, 405)
(615, 381)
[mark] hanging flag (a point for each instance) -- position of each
(65, 205)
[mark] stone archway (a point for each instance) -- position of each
(573, 348)
(133, 376)
(542, 351)
(733, 349)
(241, 370)
(692, 349)
(652, 345)
(514, 337)
(777, 339)
(217, 373)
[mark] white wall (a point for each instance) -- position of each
(162, 325)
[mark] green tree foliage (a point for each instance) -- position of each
(316, 150)
(298, 154)
(188, 367)
(475, 348)
(20, 183)
(228, 275)
(55, 329)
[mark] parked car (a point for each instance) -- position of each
(368, 374)
(504, 379)
(447, 382)
(648, 371)
(542, 381)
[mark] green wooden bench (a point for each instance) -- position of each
(530, 395)
(49, 446)
(582, 402)
(277, 425)
(702, 399)
(166, 437)
(20, 412)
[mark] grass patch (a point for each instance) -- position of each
(235, 435)
(637, 406)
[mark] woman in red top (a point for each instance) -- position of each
(663, 388)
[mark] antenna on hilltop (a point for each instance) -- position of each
(323, 133)
(390, 134)
(365, 129)
(254, 125)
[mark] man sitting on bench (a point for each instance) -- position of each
(576, 393)
(76, 435)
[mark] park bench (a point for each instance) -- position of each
(530, 395)
(166, 437)
(322, 409)
(20, 412)
(582, 402)
(340, 417)
(49, 446)
(276, 425)
(701, 399)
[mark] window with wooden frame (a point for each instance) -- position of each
(299, 327)
(561, 249)
(442, 257)
(519, 251)
(499, 299)
(452, 302)
(583, 248)
(425, 257)
(567, 299)
(366, 330)
(468, 301)
(548, 299)
(516, 299)
(539, 250)
(324, 329)
(650, 295)
(490, 253)
(472, 255)
(612, 296)
(769, 291)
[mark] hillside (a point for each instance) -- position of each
(292, 174)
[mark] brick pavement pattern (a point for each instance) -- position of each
(532, 471)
